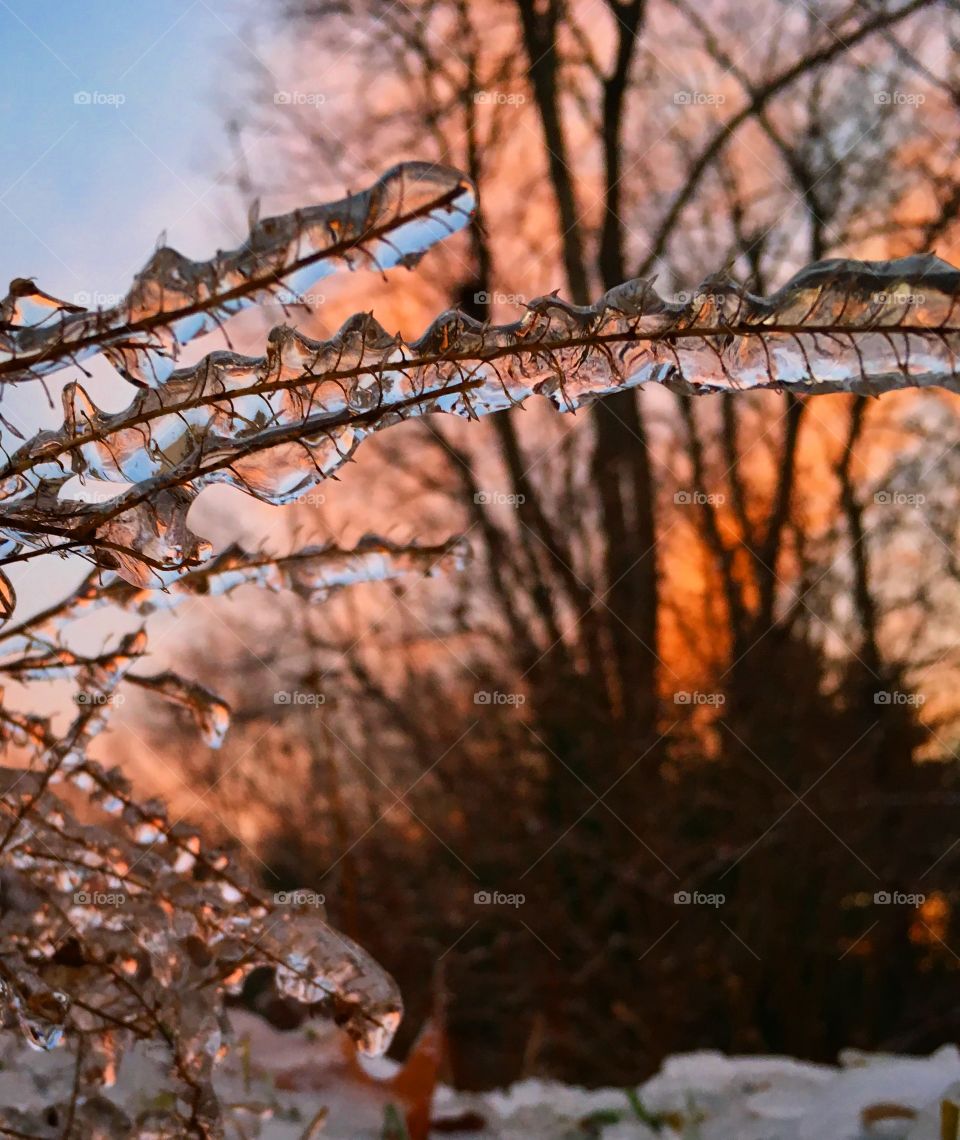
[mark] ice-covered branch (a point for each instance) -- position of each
(274, 426)
(118, 923)
(118, 926)
(33, 651)
(313, 573)
(125, 925)
(174, 299)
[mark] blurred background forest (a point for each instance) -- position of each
(700, 650)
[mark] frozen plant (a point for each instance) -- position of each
(118, 924)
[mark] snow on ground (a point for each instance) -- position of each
(699, 1096)
(282, 1081)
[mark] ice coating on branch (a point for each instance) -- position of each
(276, 425)
(124, 918)
(174, 299)
(210, 712)
(38, 658)
(304, 943)
(118, 924)
(313, 572)
(32, 651)
(38, 1009)
(106, 920)
(149, 543)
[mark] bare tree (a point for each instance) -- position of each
(664, 545)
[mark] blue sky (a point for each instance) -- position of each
(86, 187)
